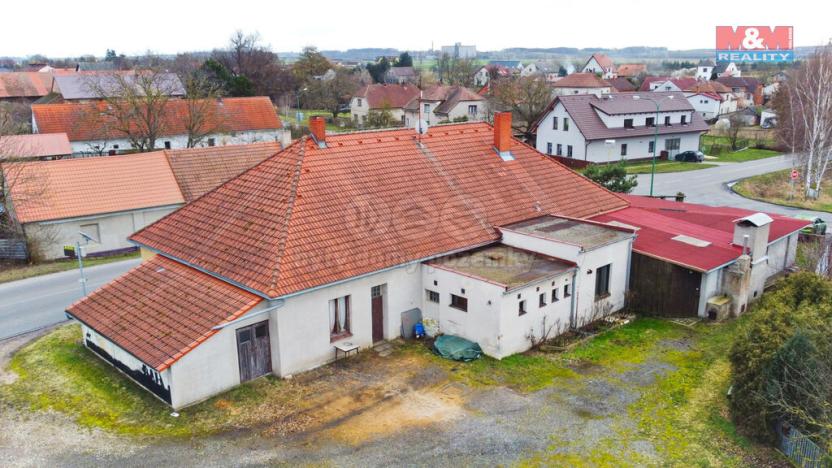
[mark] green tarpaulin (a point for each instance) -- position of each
(456, 348)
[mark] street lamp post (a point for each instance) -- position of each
(80, 255)
(657, 103)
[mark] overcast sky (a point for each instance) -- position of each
(58, 29)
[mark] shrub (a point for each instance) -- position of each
(612, 176)
(799, 309)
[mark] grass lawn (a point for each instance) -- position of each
(13, 272)
(679, 408)
(775, 187)
(749, 154)
(665, 166)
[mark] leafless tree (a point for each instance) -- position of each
(526, 98)
(136, 104)
(331, 94)
(804, 109)
(248, 57)
(547, 332)
(733, 132)
(201, 118)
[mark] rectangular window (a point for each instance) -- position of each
(555, 123)
(358, 102)
(624, 149)
(667, 121)
(569, 151)
(559, 150)
(555, 295)
(684, 119)
(602, 282)
(339, 317)
(650, 121)
(566, 124)
(92, 230)
(548, 148)
(433, 296)
(472, 110)
(521, 307)
(542, 300)
(566, 292)
(459, 302)
(672, 144)
(427, 108)
(167, 145)
(651, 147)
(212, 142)
(628, 123)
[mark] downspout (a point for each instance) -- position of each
(627, 275)
(573, 300)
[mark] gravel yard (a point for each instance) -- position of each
(651, 392)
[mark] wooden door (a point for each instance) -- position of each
(254, 351)
(378, 313)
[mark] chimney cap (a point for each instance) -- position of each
(756, 219)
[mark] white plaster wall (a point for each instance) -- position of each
(638, 147)
(213, 366)
(480, 323)
(114, 229)
(548, 247)
(705, 106)
(561, 91)
(303, 321)
(618, 256)
(181, 141)
(515, 329)
(545, 134)
(122, 356)
(461, 110)
(710, 286)
(640, 119)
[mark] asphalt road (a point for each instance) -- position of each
(38, 302)
(711, 186)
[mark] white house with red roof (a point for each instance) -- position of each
(441, 103)
(600, 64)
(581, 83)
(342, 241)
(618, 126)
(379, 98)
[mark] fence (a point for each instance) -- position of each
(13, 249)
(802, 450)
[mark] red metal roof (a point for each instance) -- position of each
(659, 221)
(310, 216)
(86, 121)
(144, 311)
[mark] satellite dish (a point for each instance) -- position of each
(422, 128)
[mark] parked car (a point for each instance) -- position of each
(690, 156)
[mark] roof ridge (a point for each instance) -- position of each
(284, 230)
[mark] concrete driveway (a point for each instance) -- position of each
(38, 302)
(711, 186)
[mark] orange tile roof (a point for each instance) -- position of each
(394, 96)
(34, 146)
(581, 80)
(631, 69)
(84, 121)
(66, 188)
(200, 170)
(25, 84)
(143, 311)
(310, 216)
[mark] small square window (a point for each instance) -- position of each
(462, 290)
(459, 302)
(212, 142)
(435, 283)
(167, 145)
(521, 308)
(433, 296)
(628, 123)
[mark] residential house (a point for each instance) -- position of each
(529, 69)
(600, 64)
(24, 87)
(711, 99)
(631, 70)
(109, 198)
(401, 75)
(748, 91)
(666, 83)
(702, 261)
(209, 310)
(705, 69)
(444, 104)
(727, 69)
(516, 66)
(483, 75)
(228, 121)
(381, 97)
(42, 146)
(617, 127)
(621, 85)
(581, 83)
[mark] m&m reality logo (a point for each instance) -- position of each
(754, 44)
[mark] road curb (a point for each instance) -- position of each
(730, 185)
(35, 330)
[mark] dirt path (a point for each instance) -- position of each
(385, 411)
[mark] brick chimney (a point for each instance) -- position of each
(317, 126)
(502, 135)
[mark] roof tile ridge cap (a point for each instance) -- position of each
(166, 154)
(284, 231)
